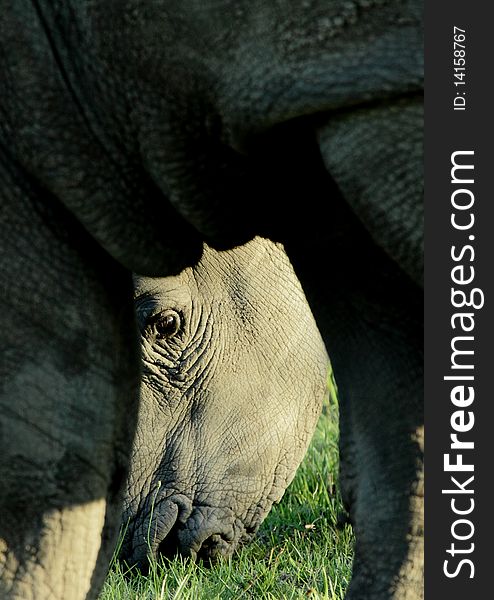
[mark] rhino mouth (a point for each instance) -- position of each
(174, 526)
(208, 535)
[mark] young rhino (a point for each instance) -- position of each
(234, 374)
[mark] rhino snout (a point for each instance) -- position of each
(176, 527)
(208, 534)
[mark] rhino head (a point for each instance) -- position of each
(234, 374)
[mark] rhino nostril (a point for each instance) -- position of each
(169, 546)
(155, 532)
(213, 548)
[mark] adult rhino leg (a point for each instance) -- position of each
(370, 316)
(69, 368)
(381, 450)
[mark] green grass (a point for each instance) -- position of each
(298, 553)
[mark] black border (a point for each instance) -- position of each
(448, 130)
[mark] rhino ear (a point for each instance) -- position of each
(387, 195)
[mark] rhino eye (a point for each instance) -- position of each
(166, 324)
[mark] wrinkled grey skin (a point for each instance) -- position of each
(233, 380)
(130, 133)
